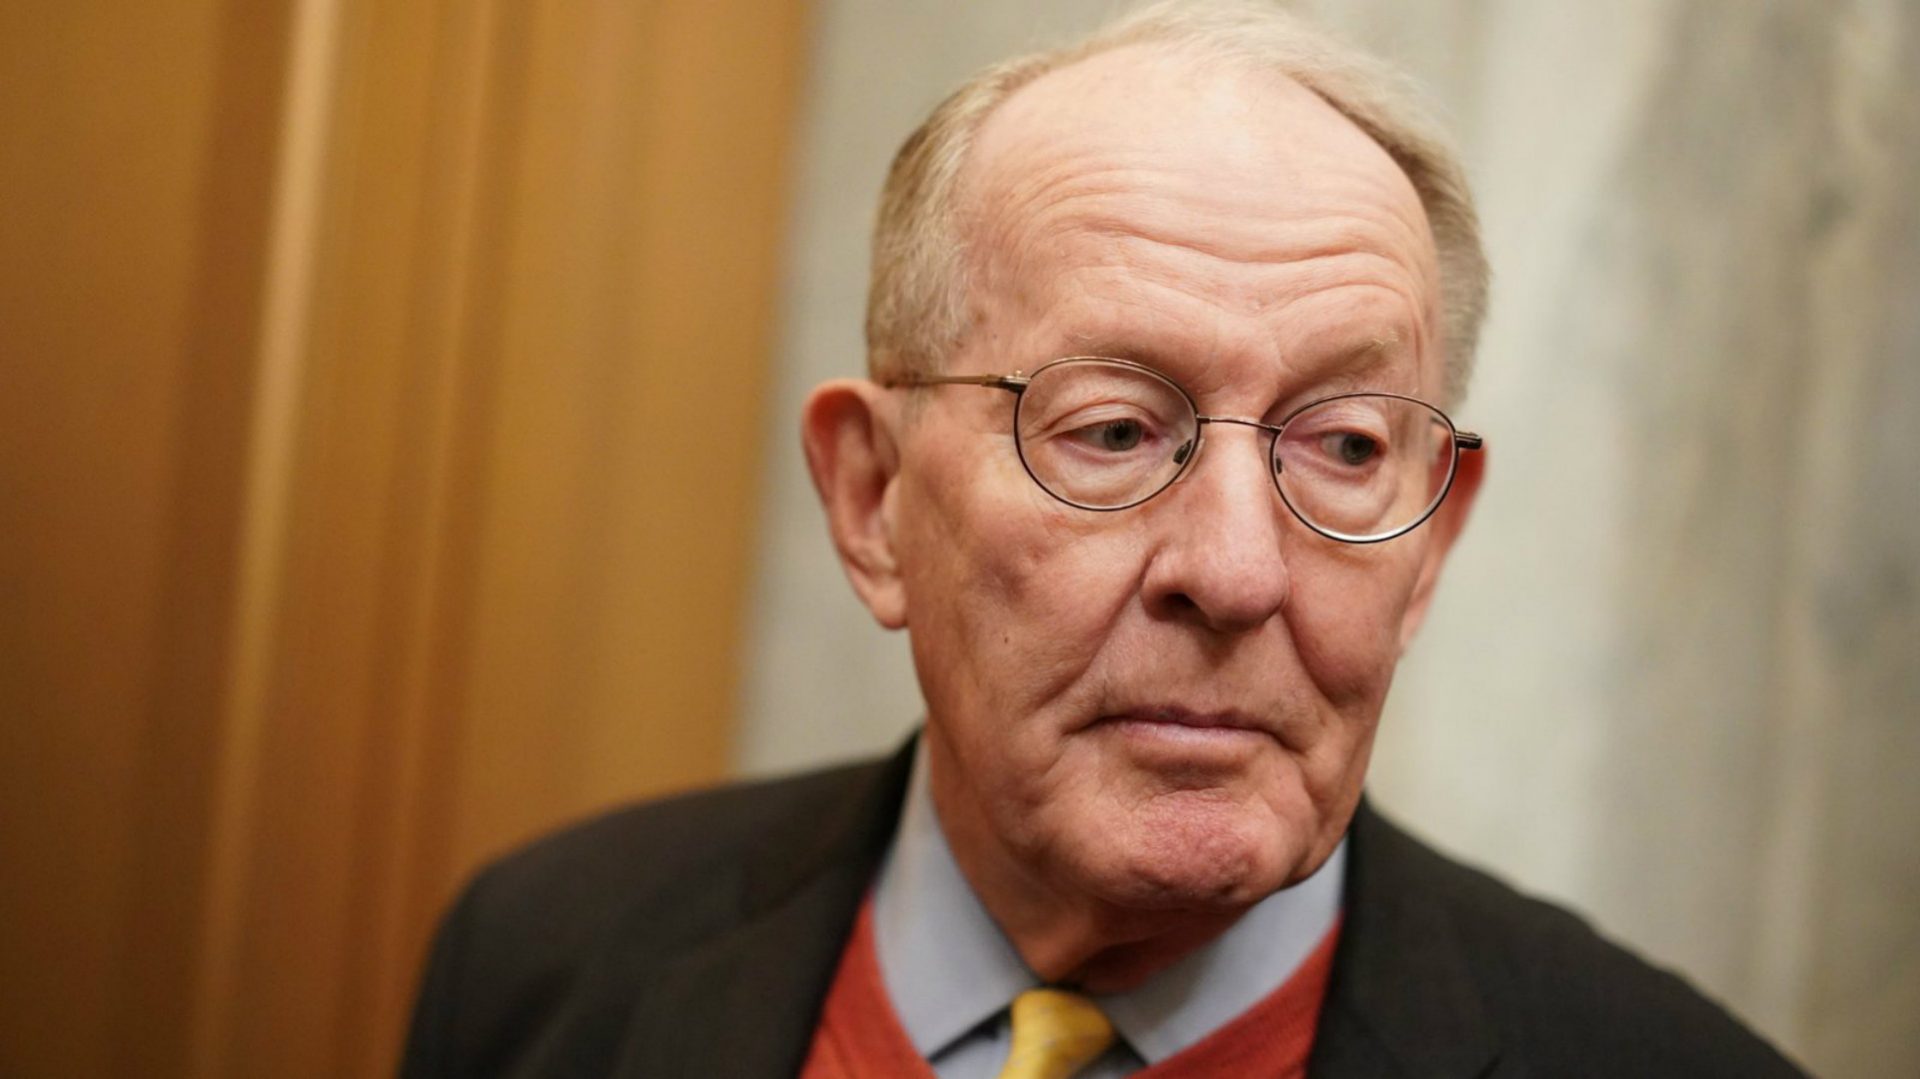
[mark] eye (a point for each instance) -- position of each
(1112, 433)
(1350, 447)
(1117, 436)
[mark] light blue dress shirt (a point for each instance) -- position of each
(951, 973)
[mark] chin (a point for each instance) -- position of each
(1206, 855)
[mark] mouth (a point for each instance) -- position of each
(1173, 727)
(1177, 716)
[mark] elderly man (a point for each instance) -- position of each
(1154, 469)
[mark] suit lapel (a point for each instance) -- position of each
(1403, 1000)
(745, 1001)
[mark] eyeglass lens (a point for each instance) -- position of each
(1104, 435)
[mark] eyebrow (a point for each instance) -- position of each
(1353, 368)
(1356, 367)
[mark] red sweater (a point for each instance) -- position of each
(859, 1036)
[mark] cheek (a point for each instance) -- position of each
(1009, 598)
(1345, 616)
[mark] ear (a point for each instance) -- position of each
(847, 428)
(1444, 527)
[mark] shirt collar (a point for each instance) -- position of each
(948, 968)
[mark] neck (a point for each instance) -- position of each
(1106, 953)
(1066, 937)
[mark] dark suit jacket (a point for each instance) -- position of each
(698, 936)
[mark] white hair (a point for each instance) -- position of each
(917, 297)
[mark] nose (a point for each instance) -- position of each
(1217, 557)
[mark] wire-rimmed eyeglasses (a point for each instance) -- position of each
(1105, 434)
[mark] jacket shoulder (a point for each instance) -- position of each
(1560, 997)
(534, 938)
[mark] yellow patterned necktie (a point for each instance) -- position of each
(1055, 1033)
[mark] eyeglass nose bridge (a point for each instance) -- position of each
(1186, 454)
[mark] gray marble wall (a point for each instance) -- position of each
(1673, 678)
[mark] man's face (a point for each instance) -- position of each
(1170, 706)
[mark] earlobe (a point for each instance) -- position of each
(848, 430)
(1446, 525)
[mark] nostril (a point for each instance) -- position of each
(1179, 605)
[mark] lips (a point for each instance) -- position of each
(1174, 741)
(1189, 724)
(1184, 717)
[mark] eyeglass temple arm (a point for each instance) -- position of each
(1467, 440)
(1014, 382)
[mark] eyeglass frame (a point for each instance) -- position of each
(1018, 381)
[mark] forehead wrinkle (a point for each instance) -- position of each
(1082, 214)
(1114, 202)
(1127, 279)
(1372, 309)
(1154, 313)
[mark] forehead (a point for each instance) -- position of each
(1142, 194)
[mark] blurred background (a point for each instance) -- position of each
(398, 458)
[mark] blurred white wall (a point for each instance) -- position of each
(1673, 678)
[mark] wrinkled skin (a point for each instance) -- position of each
(1142, 722)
